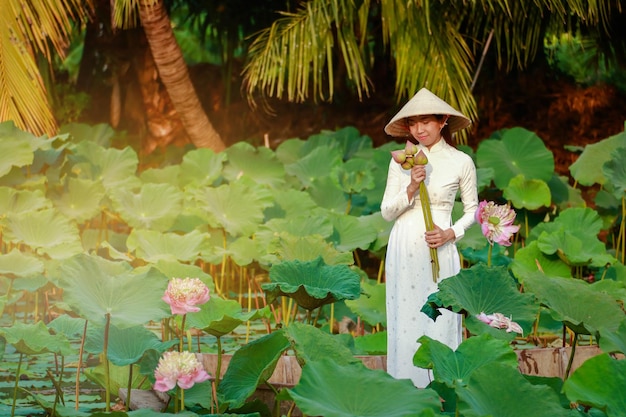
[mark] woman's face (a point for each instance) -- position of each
(426, 129)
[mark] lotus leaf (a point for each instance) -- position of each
(291, 150)
(354, 175)
(481, 289)
(328, 194)
(152, 245)
(347, 140)
(312, 344)
(313, 222)
(614, 341)
(585, 170)
(236, 207)
(114, 167)
(316, 164)
(563, 297)
(251, 365)
(519, 151)
(371, 306)
(80, 200)
(34, 339)
(312, 283)
(219, 317)
(20, 264)
(497, 389)
(351, 232)
(527, 194)
(14, 152)
(259, 164)
(286, 247)
(95, 287)
(331, 390)
(599, 382)
(13, 201)
(46, 231)
(100, 134)
(164, 175)
(201, 167)
(154, 206)
(454, 368)
(615, 171)
(290, 203)
(529, 259)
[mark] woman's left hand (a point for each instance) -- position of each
(438, 237)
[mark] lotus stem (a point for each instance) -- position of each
(17, 382)
(570, 361)
(218, 368)
(105, 353)
(81, 351)
(428, 219)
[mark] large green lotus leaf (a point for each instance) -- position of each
(328, 195)
(372, 343)
(290, 203)
(80, 200)
(290, 150)
(14, 153)
(34, 339)
(482, 289)
(312, 222)
(286, 247)
(125, 346)
(153, 246)
(529, 259)
(351, 233)
(242, 250)
(573, 237)
(114, 167)
(162, 175)
(71, 327)
(100, 134)
(175, 269)
(527, 194)
(331, 390)
(252, 364)
(154, 206)
(382, 228)
(454, 368)
(237, 207)
(496, 389)
(347, 139)
(219, 316)
(20, 264)
(380, 158)
(47, 231)
(94, 287)
(201, 167)
(615, 171)
(599, 382)
(14, 201)
(371, 305)
(316, 164)
(312, 344)
(484, 176)
(312, 283)
(499, 254)
(354, 175)
(260, 164)
(563, 297)
(615, 341)
(563, 194)
(586, 170)
(519, 151)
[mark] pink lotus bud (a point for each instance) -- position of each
(410, 148)
(182, 368)
(421, 158)
(399, 156)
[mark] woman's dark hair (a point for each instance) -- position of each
(445, 131)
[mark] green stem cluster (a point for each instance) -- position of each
(428, 219)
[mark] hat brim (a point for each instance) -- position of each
(423, 103)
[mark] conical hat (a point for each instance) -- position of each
(424, 102)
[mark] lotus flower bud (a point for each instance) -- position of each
(408, 164)
(421, 158)
(399, 156)
(410, 148)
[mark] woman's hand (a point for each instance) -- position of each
(439, 237)
(418, 174)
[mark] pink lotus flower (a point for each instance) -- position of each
(496, 222)
(183, 295)
(182, 368)
(500, 321)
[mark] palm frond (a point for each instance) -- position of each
(29, 28)
(295, 56)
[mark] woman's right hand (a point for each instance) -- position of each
(418, 174)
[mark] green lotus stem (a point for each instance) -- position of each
(571, 356)
(107, 376)
(218, 367)
(17, 382)
(428, 219)
(81, 351)
(490, 250)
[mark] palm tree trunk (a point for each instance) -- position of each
(173, 72)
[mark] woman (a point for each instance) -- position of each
(429, 122)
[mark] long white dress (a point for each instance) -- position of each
(409, 279)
